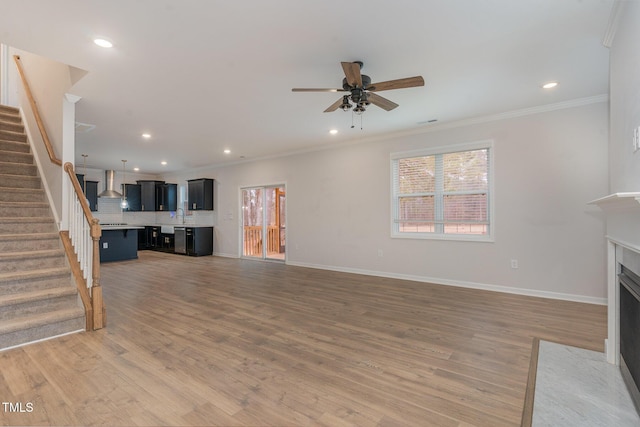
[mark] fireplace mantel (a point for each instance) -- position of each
(619, 201)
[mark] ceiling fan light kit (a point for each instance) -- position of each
(361, 91)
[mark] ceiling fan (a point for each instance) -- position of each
(362, 91)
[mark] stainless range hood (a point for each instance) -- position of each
(110, 192)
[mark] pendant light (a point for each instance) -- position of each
(124, 204)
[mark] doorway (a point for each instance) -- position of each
(264, 222)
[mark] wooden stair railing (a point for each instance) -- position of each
(82, 240)
(82, 244)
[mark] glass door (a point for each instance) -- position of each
(263, 222)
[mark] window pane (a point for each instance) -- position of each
(466, 170)
(466, 213)
(252, 207)
(417, 175)
(416, 214)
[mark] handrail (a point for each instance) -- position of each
(68, 167)
(82, 228)
(43, 132)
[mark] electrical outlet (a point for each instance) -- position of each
(105, 245)
(514, 263)
(380, 254)
(636, 139)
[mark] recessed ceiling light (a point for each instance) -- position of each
(163, 163)
(227, 151)
(103, 43)
(549, 85)
(333, 131)
(136, 169)
(146, 135)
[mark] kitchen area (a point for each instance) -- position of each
(151, 214)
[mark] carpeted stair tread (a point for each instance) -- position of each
(25, 219)
(4, 256)
(8, 117)
(17, 168)
(38, 295)
(11, 126)
(8, 135)
(8, 180)
(9, 109)
(34, 274)
(28, 236)
(19, 205)
(34, 321)
(14, 146)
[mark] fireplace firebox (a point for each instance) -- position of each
(630, 331)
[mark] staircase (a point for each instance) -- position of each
(38, 298)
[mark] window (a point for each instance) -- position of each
(443, 193)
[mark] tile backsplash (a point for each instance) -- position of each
(110, 212)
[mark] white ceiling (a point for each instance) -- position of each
(205, 75)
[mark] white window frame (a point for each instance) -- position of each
(479, 145)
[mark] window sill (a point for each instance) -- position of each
(449, 237)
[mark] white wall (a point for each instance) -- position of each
(548, 166)
(625, 100)
(49, 82)
(624, 163)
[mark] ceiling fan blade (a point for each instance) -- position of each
(352, 72)
(334, 106)
(381, 102)
(308, 89)
(397, 84)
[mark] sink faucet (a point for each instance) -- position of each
(178, 210)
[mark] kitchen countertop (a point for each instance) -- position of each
(121, 227)
(141, 226)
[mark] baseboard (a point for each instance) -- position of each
(458, 283)
(224, 255)
(40, 340)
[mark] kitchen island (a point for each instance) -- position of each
(119, 242)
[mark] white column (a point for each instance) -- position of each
(68, 150)
(612, 343)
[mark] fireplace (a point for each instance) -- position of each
(629, 292)
(622, 214)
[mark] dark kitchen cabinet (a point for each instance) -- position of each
(200, 193)
(199, 241)
(118, 245)
(144, 238)
(166, 197)
(80, 180)
(148, 194)
(158, 195)
(132, 192)
(91, 192)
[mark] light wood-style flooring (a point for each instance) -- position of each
(229, 342)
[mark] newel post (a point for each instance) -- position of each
(96, 289)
